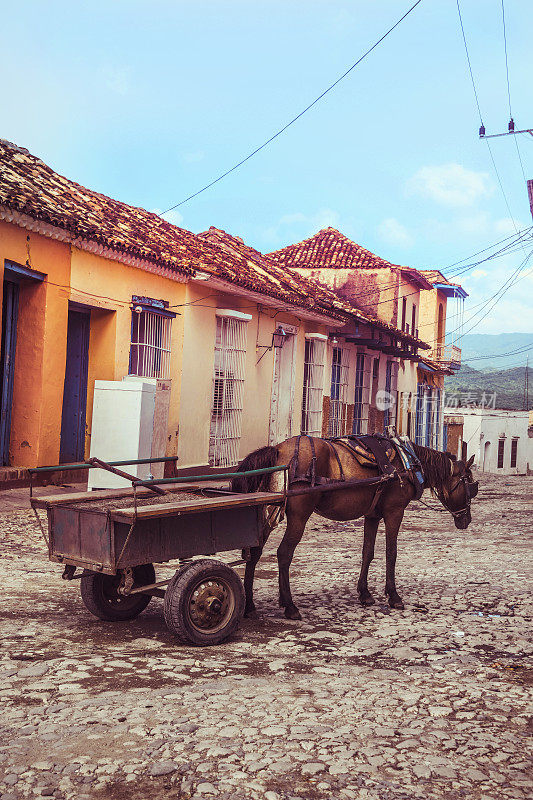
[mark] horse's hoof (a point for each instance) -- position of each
(367, 600)
(252, 613)
(291, 612)
(397, 604)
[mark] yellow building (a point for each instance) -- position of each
(252, 352)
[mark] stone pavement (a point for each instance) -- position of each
(352, 702)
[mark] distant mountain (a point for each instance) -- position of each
(468, 386)
(476, 345)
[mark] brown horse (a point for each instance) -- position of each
(449, 479)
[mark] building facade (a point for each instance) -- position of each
(497, 439)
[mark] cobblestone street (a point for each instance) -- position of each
(352, 702)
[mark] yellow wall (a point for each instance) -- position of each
(199, 316)
(112, 284)
(41, 346)
(429, 315)
(105, 288)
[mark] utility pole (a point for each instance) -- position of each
(526, 386)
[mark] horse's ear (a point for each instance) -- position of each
(469, 462)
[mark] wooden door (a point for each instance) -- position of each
(72, 446)
(10, 306)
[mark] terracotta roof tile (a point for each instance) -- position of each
(29, 186)
(331, 249)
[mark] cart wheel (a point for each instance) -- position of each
(204, 602)
(100, 594)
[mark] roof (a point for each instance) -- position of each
(30, 187)
(265, 264)
(331, 249)
(438, 281)
(262, 266)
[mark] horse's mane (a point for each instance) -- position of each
(436, 466)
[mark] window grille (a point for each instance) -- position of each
(388, 385)
(228, 392)
(358, 398)
(313, 388)
(420, 413)
(501, 452)
(150, 345)
(514, 452)
(339, 388)
(437, 438)
(428, 437)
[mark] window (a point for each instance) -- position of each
(313, 390)
(404, 312)
(388, 384)
(150, 339)
(228, 391)
(501, 452)
(438, 420)
(514, 451)
(375, 369)
(429, 418)
(358, 398)
(420, 412)
(339, 386)
(413, 321)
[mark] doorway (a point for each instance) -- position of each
(72, 447)
(10, 306)
(282, 399)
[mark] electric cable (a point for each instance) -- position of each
(294, 119)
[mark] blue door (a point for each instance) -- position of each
(10, 305)
(72, 446)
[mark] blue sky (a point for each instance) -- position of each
(147, 102)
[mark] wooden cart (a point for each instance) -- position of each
(116, 537)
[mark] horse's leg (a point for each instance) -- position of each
(371, 529)
(393, 520)
(295, 527)
(249, 573)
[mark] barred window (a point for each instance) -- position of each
(228, 392)
(358, 398)
(501, 452)
(339, 389)
(150, 343)
(313, 386)
(514, 451)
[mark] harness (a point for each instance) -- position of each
(377, 445)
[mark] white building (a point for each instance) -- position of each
(498, 439)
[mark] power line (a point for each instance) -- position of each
(506, 60)
(522, 349)
(469, 64)
(294, 119)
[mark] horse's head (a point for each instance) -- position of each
(458, 491)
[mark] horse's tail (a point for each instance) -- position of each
(259, 459)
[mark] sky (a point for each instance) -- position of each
(148, 102)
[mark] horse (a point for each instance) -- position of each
(449, 479)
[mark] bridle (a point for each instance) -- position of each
(470, 493)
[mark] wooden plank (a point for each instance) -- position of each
(202, 504)
(108, 494)
(79, 497)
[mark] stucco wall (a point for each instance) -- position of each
(105, 288)
(482, 431)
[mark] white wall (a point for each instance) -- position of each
(482, 431)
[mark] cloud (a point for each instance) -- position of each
(298, 226)
(174, 217)
(393, 232)
(506, 226)
(450, 185)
